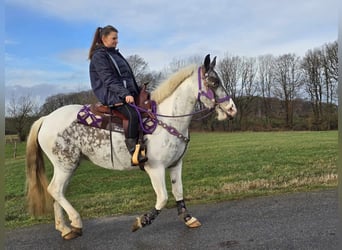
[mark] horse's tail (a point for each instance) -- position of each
(39, 200)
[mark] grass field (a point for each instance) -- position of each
(217, 167)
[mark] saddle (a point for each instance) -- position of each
(102, 116)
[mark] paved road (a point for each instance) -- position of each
(290, 221)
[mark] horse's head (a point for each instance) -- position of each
(213, 94)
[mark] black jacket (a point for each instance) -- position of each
(110, 83)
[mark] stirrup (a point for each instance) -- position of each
(139, 156)
(135, 155)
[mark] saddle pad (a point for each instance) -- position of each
(86, 117)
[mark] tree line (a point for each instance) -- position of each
(284, 92)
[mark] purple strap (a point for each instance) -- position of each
(149, 124)
(209, 93)
(223, 99)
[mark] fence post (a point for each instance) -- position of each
(15, 150)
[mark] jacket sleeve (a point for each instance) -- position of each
(108, 76)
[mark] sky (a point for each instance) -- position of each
(47, 41)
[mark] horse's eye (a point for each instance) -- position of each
(214, 82)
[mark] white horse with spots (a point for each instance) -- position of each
(64, 141)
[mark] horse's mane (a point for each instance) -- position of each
(166, 88)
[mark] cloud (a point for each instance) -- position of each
(221, 25)
(41, 91)
(69, 67)
(160, 31)
(153, 16)
(10, 42)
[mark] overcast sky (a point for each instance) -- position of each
(47, 41)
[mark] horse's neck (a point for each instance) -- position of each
(180, 102)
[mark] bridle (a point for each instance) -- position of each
(208, 93)
(149, 124)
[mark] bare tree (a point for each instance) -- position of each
(142, 74)
(312, 65)
(153, 79)
(20, 109)
(177, 64)
(265, 79)
(330, 66)
(56, 101)
(287, 82)
(229, 70)
(320, 67)
(248, 89)
(139, 67)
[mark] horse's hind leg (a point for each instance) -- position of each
(57, 189)
(59, 219)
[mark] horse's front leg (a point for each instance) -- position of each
(177, 191)
(157, 176)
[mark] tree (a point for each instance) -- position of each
(288, 79)
(139, 67)
(312, 65)
(330, 67)
(229, 70)
(141, 72)
(265, 79)
(56, 101)
(20, 109)
(177, 64)
(320, 70)
(248, 89)
(153, 79)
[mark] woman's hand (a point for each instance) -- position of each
(129, 99)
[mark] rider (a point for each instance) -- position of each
(114, 84)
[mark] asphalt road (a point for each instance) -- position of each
(290, 221)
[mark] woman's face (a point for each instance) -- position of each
(111, 40)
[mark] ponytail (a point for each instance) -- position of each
(97, 40)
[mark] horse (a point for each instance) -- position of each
(64, 141)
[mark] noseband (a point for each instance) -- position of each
(208, 93)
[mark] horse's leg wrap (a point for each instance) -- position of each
(145, 219)
(182, 211)
(184, 214)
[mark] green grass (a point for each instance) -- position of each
(217, 167)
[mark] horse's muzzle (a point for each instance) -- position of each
(231, 113)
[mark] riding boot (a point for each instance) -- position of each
(134, 150)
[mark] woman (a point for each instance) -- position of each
(113, 83)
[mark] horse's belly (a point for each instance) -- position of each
(96, 146)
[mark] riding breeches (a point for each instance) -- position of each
(133, 120)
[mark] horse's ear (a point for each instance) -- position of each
(213, 63)
(207, 63)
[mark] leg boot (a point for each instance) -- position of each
(134, 150)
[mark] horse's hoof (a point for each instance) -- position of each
(193, 223)
(77, 230)
(137, 224)
(74, 233)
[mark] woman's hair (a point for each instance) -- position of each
(97, 40)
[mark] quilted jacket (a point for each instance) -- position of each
(111, 81)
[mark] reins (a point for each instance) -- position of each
(150, 123)
(209, 94)
(149, 112)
